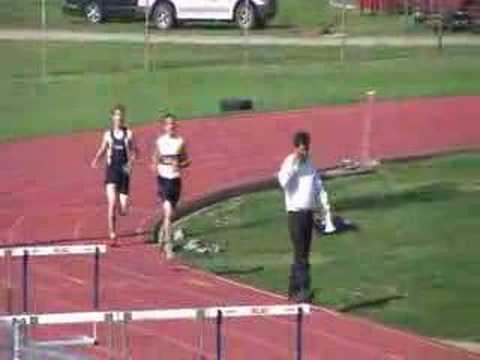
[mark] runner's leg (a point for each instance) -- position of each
(161, 196)
(124, 204)
(123, 190)
(167, 228)
(111, 192)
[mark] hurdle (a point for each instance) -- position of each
(26, 252)
(218, 314)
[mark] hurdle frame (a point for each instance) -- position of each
(218, 314)
(74, 250)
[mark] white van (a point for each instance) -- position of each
(246, 13)
(165, 14)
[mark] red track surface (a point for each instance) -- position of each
(49, 194)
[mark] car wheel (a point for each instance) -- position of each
(164, 16)
(245, 16)
(93, 12)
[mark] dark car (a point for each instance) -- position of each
(96, 11)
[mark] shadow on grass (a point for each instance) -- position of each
(438, 191)
(369, 303)
(236, 270)
(433, 192)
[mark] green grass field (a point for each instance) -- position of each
(294, 16)
(418, 237)
(83, 81)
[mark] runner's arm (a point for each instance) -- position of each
(100, 152)
(134, 150)
(155, 158)
(184, 160)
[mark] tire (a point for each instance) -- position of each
(93, 12)
(261, 23)
(245, 15)
(236, 104)
(163, 16)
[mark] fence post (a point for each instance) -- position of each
(146, 38)
(344, 31)
(44, 41)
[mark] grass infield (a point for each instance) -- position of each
(413, 263)
(77, 84)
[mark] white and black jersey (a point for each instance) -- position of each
(169, 148)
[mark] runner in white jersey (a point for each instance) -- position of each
(169, 158)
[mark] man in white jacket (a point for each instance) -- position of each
(304, 190)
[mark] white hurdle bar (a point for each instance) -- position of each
(53, 250)
(157, 315)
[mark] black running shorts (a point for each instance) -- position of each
(119, 177)
(169, 189)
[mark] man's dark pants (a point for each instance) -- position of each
(300, 226)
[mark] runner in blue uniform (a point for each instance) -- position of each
(120, 149)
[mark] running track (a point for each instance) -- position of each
(49, 194)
